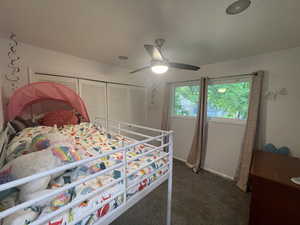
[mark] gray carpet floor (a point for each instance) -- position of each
(198, 199)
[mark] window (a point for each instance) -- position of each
(185, 100)
(228, 100)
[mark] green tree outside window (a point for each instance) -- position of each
(229, 100)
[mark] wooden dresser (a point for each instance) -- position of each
(275, 199)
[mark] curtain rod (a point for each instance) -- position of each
(82, 78)
(219, 77)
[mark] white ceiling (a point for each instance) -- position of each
(197, 31)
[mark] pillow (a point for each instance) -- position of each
(59, 118)
(66, 153)
(25, 144)
(9, 201)
(4, 138)
(23, 166)
(15, 149)
(34, 195)
(58, 138)
(39, 142)
(57, 201)
(27, 122)
(37, 117)
(30, 140)
(62, 147)
(10, 131)
(18, 125)
(271, 148)
(5, 176)
(24, 216)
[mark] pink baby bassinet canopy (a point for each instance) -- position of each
(40, 91)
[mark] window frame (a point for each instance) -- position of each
(229, 81)
(213, 81)
(173, 87)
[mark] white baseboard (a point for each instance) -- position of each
(208, 169)
(218, 173)
(180, 159)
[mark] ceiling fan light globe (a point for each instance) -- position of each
(159, 69)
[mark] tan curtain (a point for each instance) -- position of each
(196, 156)
(250, 137)
(166, 107)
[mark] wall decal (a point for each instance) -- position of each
(14, 62)
(273, 95)
(153, 94)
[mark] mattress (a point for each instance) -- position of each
(88, 141)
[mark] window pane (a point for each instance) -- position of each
(229, 100)
(186, 100)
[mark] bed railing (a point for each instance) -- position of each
(159, 140)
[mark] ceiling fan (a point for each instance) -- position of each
(159, 64)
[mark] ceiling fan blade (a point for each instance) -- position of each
(140, 69)
(154, 52)
(183, 66)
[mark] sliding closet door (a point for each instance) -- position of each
(93, 94)
(137, 102)
(118, 102)
(127, 103)
(66, 81)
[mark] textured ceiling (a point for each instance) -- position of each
(197, 31)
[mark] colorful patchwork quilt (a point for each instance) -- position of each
(86, 140)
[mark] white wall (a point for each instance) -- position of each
(44, 60)
(48, 61)
(280, 122)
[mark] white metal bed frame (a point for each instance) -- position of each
(165, 143)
